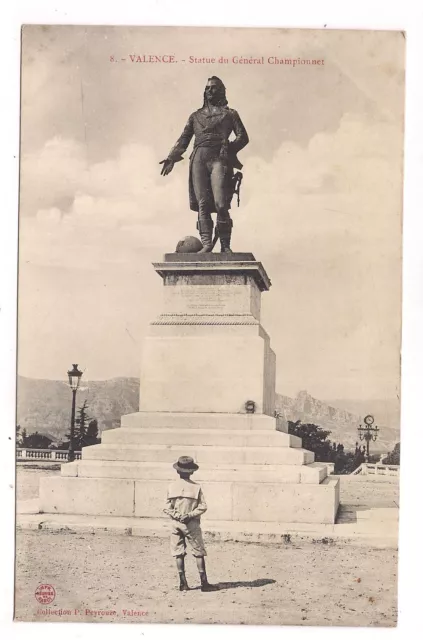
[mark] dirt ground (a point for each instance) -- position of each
(114, 575)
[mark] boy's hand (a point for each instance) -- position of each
(184, 519)
(173, 514)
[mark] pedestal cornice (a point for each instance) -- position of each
(236, 264)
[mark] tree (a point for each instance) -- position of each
(86, 430)
(37, 441)
(347, 461)
(91, 436)
(21, 437)
(24, 438)
(314, 439)
(81, 425)
(63, 446)
(394, 456)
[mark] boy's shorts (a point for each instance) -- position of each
(187, 533)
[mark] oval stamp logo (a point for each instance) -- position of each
(45, 593)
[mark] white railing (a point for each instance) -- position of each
(367, 469)
(45, 454)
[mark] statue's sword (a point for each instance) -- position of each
(236, 189)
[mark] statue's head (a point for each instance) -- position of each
(215, 92)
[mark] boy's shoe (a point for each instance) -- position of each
(209, 587)
(205, 585)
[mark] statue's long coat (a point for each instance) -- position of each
(212, 130)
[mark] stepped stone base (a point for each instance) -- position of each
(180, 420)
(206, 358)
(250, 471)
(238, 501)
(313, 473)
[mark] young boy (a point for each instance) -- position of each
(185, 505)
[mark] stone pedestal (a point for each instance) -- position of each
(204, 357)
(207, 352)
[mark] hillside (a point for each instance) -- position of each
(45, 405)
(342, 423)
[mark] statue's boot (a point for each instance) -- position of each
(205, 227)
(225, 232)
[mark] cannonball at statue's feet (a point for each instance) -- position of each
(189, 244)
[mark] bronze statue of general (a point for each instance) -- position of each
(212, 180)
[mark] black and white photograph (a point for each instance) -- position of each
(209, 325)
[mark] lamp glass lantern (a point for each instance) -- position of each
(74, 376)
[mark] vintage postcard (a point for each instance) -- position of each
(209, 325)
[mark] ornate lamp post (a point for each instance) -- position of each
(368, 433)
(74, 376)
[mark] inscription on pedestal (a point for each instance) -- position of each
(209, 299)
(214, 299)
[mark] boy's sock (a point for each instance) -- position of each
(180, 565)
(183, 584)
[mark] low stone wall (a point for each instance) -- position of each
(24, 454)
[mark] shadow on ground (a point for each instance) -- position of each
(247, 584)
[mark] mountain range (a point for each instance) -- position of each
(45, 406)
(343, 423)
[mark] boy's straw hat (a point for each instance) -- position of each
(185, 464)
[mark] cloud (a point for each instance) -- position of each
(320, 200)
(50, 175)
(49, 217)
(339, 196)
(103, 212)
(325, 220)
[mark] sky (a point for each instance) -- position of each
(321, 199)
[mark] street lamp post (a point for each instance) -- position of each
(368, 433)
(74, 376)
